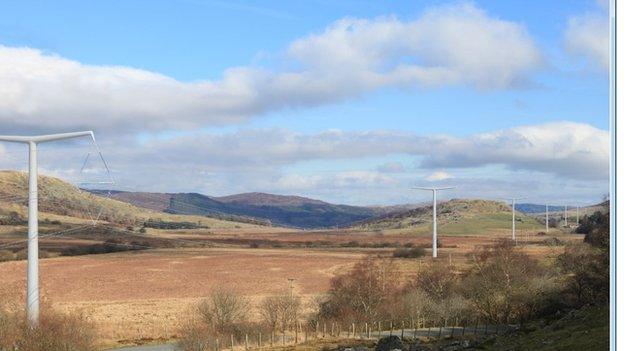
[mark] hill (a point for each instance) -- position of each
(457, 216)
(291, 211)
(60, 198)
(263, 199)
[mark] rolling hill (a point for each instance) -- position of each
(457, 216)
(60, 198)
(291, 211)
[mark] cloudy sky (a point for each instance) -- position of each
(350, 102)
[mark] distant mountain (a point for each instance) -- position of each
(292, 211)
(263, 199)
(537, 208)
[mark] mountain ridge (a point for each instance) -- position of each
(283, 210)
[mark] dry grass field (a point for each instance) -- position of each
(144, 295)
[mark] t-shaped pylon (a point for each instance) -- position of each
(32, 296)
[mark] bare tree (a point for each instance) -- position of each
(281, 311)
(224, 311)
(505, 284)
(270, 311)
(363, 293)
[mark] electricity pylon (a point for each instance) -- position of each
(435, 220)
(513, 215)
(32, 297)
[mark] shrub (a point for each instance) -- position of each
(280, 312)
(55, 332)
(6, 255)
(506, 284)
(553, 242)
(224, 311)
(362, 294)
(586, 272)
(413, 252)
(221, 315)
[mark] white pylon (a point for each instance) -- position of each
(513, 216)
(434, 233)
(32, 296)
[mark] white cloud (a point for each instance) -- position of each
(568, 149)
(391, 167)
(437, 176)
(448, 45)
(565, 149)
(587, 36)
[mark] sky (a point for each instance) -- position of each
(350, 102)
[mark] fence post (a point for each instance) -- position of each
(463, 327)
(402, 330)
(324, 329)
(305, 337)
(379, 330)
(440, 332)
(367, 330)
(259, 339)
(332, 329)
(231, 342)
(391, 328)
(217, 344)
(284, 336)
(486, 327)
(272, 336)
(296, 333)
(246, 342)
(316, 330)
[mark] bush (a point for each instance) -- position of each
(414, 252)
(586, 272)
(6, 255)
(553, 242)
(221, 315)
(280, 312)
(55, 332)
(596, 229)
(224, 311)
(506, 285)
(388, 343)
(363, 294)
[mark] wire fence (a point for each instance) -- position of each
(332, 331)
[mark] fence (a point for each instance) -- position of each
(328, 331)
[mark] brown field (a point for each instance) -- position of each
(146, 294)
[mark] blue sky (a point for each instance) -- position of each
(194, 41)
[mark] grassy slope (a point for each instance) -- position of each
(455, 217)
(63, 201)
(586, 330)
